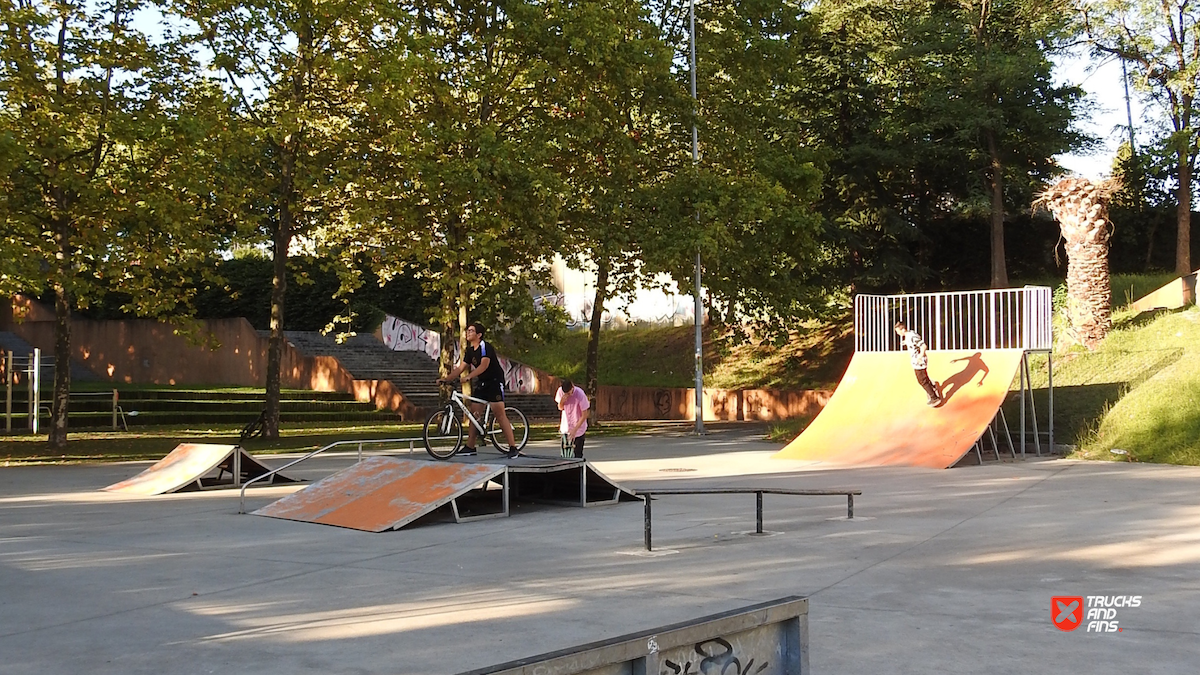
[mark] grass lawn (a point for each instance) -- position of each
(152, 443)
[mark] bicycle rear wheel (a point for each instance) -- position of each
(443, 434)
(520, 427)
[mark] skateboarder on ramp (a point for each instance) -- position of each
(876, 417)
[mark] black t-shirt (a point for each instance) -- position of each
(474, 357)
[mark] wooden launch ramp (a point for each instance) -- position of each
(877, 416)
(197, 466)
(387, 493)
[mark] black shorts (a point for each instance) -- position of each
(491, 391)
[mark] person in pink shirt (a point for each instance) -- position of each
(574, 406)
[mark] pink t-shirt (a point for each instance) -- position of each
(574, 408)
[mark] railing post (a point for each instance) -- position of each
(647, 523)
(35, 384)
(1050, 392)
(8, 387)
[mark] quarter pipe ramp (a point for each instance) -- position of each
(877, 416)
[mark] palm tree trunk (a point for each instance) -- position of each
(1082, 213)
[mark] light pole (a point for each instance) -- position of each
(699, 310)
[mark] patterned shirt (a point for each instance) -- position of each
(916, 356)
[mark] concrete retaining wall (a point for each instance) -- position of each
(230, 353)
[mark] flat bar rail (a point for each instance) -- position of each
(360, 443)
(647, 495)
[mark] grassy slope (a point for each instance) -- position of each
(1158, 419)
(813, 357)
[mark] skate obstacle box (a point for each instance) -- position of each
(770, 638)
(386, 493)
(198, 466)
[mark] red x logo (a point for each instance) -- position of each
(1066, 611)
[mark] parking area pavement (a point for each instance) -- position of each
(947, 571)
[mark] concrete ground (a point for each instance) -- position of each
(940, 572)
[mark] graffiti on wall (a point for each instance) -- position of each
(401, 336)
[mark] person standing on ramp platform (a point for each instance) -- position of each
(482, 363)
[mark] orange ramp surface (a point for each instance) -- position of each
(878, 415)
(381, 493)
(189, 467)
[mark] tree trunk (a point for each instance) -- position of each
(1079, 206)
(592, 360)
(62, 368)
(999, 267)
(1183, 214)
(282, 241)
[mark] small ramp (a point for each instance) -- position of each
(1179, 292)
(878, 416)
(387, 493)
(382, 493)
(197, 466)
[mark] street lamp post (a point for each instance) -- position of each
(699, 308)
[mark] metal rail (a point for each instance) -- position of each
(411, 447)
(647, 495)
(1010, 318)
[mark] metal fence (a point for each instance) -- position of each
(1016, 318)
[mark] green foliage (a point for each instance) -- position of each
(913, 104)
(241, 287)
(1157, 40)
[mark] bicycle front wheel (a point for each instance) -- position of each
(520, 427)
(443, 434)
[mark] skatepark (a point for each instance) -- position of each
(939, 571)
(382, 564)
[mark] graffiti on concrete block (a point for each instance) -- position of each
(713, 657)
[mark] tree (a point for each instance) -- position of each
(464, 195)
(612, 108)
(756, 184)
(1161, 40)
(1081, 209)
(970, 116)
(105, 165)
(293, 70)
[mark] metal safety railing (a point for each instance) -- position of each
(1011, 318)
(411, 448)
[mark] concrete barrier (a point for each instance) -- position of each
(770, 638)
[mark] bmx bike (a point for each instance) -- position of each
(443, 433)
